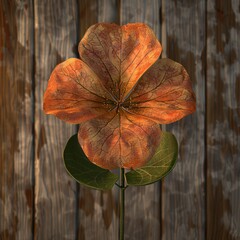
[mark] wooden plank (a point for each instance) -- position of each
(88, 15)
(108, 11)
(223, 120)
(146, 11)
(183, 191)
(55, 41)
(142, 204)
(16, 165)
(87, 215)
(97, 210)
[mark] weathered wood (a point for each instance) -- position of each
(223, 125)
(58, 212)
(88, 15)
(146, 11)
(142, 217)
(183, 192)
(55, 41)
(98, 212)
(16, 165)
(108, 11)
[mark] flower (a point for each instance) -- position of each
(119, 93)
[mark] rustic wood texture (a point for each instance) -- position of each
(55, 202)
(16, 159)
(223, 125)
(183, 191)
(142, 217)
(98, 211)
(198, 200)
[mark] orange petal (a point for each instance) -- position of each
(119, 55)
(119, 140)
(164, 93)
(74, 93)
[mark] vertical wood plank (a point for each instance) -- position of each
(108, 11)
(87, 215)
(223, 120)
(16, 165)
(97, 209)
(88, 15)
(183, 192)
(55, 200)
(142, 204)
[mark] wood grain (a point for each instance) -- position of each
(223, 126)
(16, 160)
(183, 193)
(142, 204)
(87, 198)
(198, 200)
(55, 202)
(98, 210)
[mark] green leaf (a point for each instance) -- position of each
(159, 166)
(83, 171)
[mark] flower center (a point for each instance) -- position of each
(117, 105)
(122, 105)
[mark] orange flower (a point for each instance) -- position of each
(119, 92)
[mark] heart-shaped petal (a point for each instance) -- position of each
(164, 93)
(74, 93)
(119, 140)
(119, 55)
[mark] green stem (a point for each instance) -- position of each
(122, 207)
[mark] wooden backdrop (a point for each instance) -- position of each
(199, 200)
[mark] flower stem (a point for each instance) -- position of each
(121, 204)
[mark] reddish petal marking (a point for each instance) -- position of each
(164, 93)
(119, 140)
(74, 93)
(119, 55)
